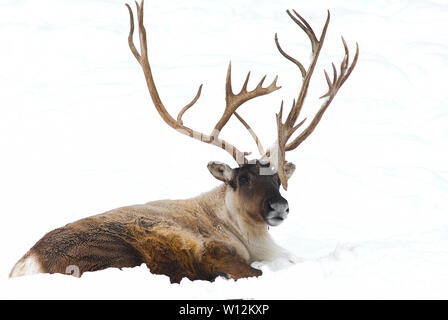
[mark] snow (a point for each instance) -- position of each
(79, 136)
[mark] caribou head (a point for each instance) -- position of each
(254, 189)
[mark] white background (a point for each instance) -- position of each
(79, 136)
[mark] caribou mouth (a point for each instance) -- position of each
(274, 219)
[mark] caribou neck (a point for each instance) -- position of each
(219, 204)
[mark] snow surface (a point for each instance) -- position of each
(79, 136)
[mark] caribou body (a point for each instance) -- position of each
(219, 233)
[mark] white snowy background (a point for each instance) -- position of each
(79, 136)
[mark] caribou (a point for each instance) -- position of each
(221, 232)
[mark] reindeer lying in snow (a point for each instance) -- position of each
(219, 233)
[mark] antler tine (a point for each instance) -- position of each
(131, 35)
(244, 88)
(142, 59)
(305, 27)
(344, 63)
(142, 32)
(294, 129)
(188, 106)
(229, 91)
(287, 56)
(252, 133)
(352, 66)
(335, 73)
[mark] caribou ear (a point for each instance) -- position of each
(289, 169)
(220, 171)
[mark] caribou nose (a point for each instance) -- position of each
(278, 212)
(280, 206)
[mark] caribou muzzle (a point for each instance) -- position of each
(278, 211)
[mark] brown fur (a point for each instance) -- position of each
(198, 238)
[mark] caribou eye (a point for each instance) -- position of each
(243, 180)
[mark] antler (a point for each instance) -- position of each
(232, 101)
(286, 129)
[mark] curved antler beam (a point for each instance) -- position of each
(232, 101)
